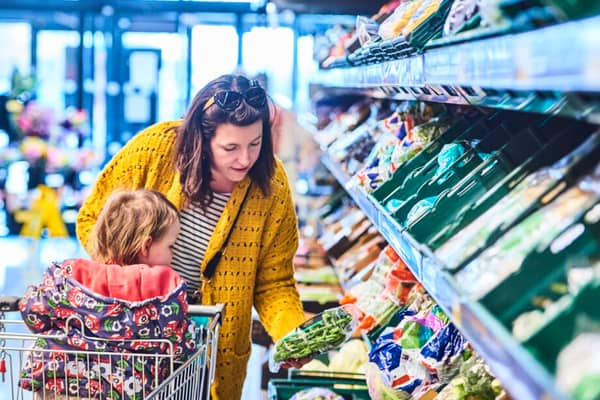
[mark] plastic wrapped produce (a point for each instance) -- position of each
(407, 132)
(369, 177)
(378, 313)
(442, 354)
(503, 258)
(411, 355)
(353, 145)
(399, 282)
(427, 8)
(410, 145)
(448, 155)
(401, 154)
(316, 393)
(352, 357)
(419, 209)
(577, 367)
(530, 322)
(466, 242)
(374, 304)
(378, 390)
(475, 381)
(400, 368)
(356, 154)
(393, 25)
(385, 262)
(366, 292)
(393, 205)
(474, 236)
(460, 12)
(429, 131)
(366, 30)
(418, 329)
(491, 13)
(325, 331)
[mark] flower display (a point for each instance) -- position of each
(54, 143)
(84, 159)
(33, 148)
(75, 120)
(53, 155)
(36, 120)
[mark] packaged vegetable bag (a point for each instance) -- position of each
(323, 332)
(316, 393)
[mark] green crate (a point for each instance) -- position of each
(556, 148)
(542, 272)
(349, 386)
(429, 152)
(430, 185)
(574, 9)
(525, 14)
(558, 332)
(431, 27)
(463, 130)
(415, 180)
(468, 32)
(531, 14)
(434, 186)
(549, 194)
(512, 9)
(418, 176)
(462, 34)
(470, 212)
(483, 178)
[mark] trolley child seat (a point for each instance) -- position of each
(23, 355)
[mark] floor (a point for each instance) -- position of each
(23, 262)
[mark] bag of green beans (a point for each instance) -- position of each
(323, 332)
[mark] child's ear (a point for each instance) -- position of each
(145, 250)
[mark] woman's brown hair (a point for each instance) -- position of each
(193, 155)
(127, 218)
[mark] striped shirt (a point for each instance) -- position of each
(197, 226)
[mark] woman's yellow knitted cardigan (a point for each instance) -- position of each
(256, 267)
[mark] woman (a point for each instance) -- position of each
(238, 224)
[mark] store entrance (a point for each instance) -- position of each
(140, 88)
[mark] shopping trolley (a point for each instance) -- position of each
(190, 379)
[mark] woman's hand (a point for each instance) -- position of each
(295, 362)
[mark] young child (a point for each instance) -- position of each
(126, 298)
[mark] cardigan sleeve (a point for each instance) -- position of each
(276, 298)
(139, 164)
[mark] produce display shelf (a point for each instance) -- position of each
(522, 375)
(549, 70)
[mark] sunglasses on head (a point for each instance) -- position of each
(229, 100)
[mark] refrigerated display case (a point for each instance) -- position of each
(538, 90)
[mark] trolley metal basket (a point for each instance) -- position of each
(191, 379)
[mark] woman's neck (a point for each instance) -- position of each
(222, 186)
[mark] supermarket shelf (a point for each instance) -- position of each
(342, 284)
(549, 70)
(520, 373)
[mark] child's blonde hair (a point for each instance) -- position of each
(127, 218)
